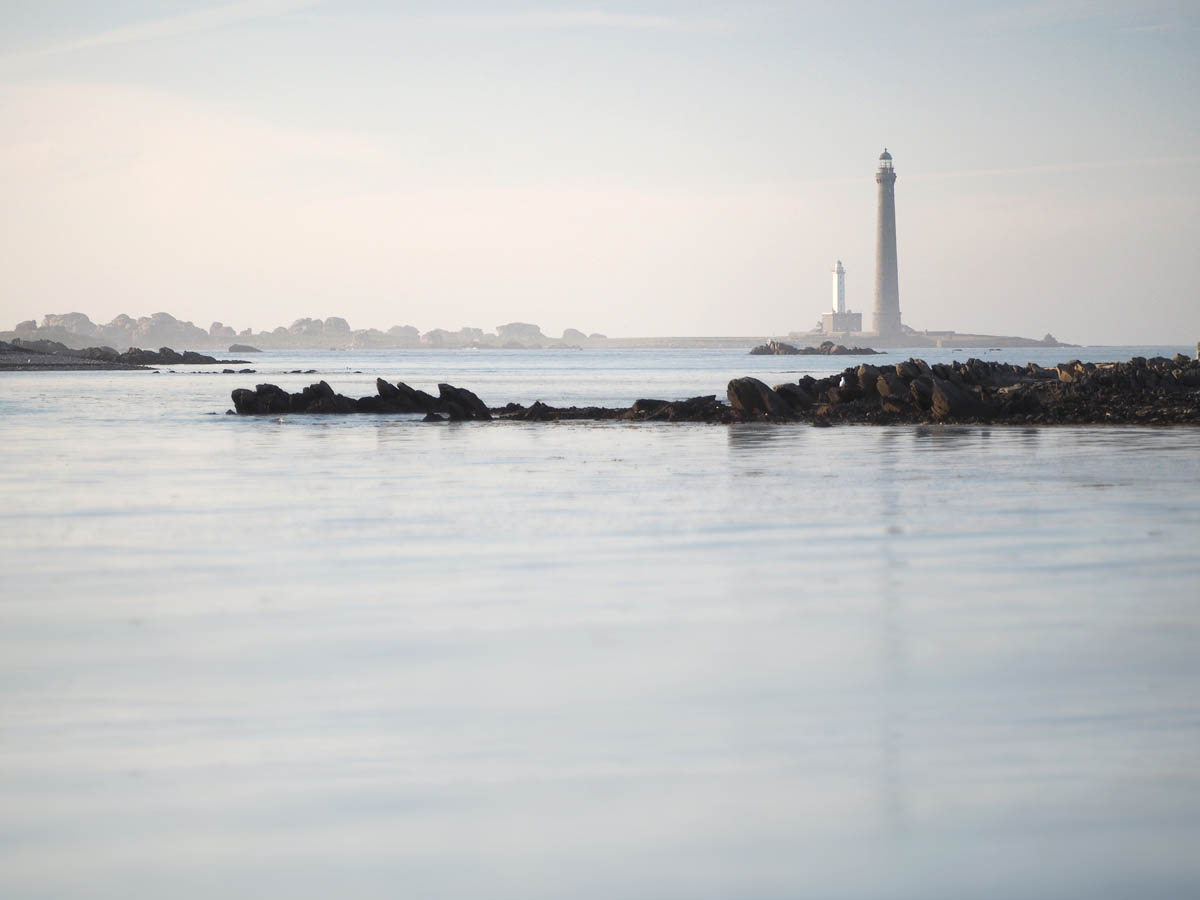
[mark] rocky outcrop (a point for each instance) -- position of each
(458, 404)
(243, 348)
(164, 356)
(1141, 391)
(827, 348)
(1157, 391)
(751, 399)
(25, 356)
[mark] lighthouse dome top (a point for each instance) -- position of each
(885, 154)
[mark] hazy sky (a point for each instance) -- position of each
(632, 168)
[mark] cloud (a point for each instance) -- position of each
(197, 20)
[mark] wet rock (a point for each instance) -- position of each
(775, 348)
(888, 384)
(950, 401)
(265, 398)
(462, 404)
(753, 399)
(795, 396)
(1156, 391)
(643, 409)
(921, 391)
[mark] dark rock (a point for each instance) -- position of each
(387, 391)
(538, 412)
(243, 348)
(921, 391)
(265, 398)
(320, 398)
(753, 399)
(775, 348)
(462, 404)
(949, 401)
(434, 417)
(414, 400)
(795, 396)
(642, 409)
(888, 384)
(827, 348)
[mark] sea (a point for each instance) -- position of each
(367, 656)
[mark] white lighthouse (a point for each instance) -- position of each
(839, 320)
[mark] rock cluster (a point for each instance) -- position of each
(457, 404)
(164, 356)
(827, 348)
(1141, 391)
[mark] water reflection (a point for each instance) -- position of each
(944, 437)
(750, 438)
(893, 803)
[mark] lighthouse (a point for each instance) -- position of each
(839, 320)
(887, 287)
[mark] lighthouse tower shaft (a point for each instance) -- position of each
(887, 285)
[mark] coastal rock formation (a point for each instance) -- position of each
(23, 356)
(1142, 391)
(164, 356)
(827, 348)
(458, 404)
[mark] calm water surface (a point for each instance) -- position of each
(372, 657)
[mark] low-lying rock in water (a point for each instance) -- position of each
(164, 356)
(1156, 391)
(243, 348)
(456, 403)
(827, 348)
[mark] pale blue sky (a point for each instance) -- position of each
(633, 168)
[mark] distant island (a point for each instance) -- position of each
(76, 331)
(827, 348)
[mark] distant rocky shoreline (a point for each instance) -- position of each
(1156, 391)
(76, 331)
(21, 354)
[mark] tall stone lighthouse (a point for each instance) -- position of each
(887, 286)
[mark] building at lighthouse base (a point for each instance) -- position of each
(841, 323)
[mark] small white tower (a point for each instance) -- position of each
(840, 320)
(839, 288)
